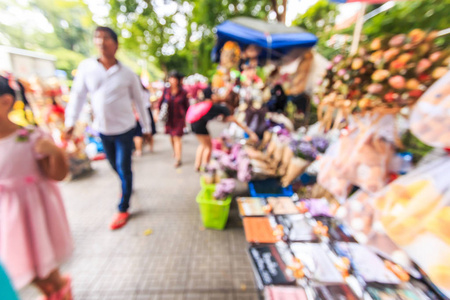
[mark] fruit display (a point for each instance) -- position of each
(415, 213)
(430, 118)
(384, 76)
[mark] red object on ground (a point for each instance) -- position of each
(100, 156)
(119, 220)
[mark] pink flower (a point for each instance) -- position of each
(341, 72)
(23, 135)
(338, 58)
(23, 132)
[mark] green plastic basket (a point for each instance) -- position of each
(214, 212)
(207, 186)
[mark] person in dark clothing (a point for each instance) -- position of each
(178, 104)
(278, 100)
(203, 155)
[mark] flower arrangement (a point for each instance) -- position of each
(309, 148)
(388, 73)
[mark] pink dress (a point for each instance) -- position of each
(34, 233)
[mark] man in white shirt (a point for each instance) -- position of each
(113, 90)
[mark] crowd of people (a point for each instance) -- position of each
(33, 245)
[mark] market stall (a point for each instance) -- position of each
(260, 60)
(42, 102)
(374, 224)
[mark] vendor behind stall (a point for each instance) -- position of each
(199, 115)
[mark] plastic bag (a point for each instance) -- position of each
(430, 118)
(415, 213)
(360, 158)
(329, 176)
(368, 164)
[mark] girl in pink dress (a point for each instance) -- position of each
(34, 233)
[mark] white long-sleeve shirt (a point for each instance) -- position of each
(112, 92)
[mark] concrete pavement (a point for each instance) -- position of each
(178, 260)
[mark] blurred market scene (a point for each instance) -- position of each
(225, 149)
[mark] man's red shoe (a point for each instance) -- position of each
(119, 220)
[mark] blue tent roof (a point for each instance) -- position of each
(276, 37)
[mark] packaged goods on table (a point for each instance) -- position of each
(269, 266)
(415, 213)
(250, 206)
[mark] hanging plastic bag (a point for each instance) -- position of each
(329, 176)
(415, 213)
(430, 118)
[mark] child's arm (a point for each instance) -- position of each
(54, 165)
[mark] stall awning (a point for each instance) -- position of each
(276, 39)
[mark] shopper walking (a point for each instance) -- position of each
(34, 233)
(199, 115)
(138, 139)
(177, 105)
(113, 88)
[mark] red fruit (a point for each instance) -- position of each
(397, 40)
(415, 93)
(390, 54)
(375, 88)
(408, 47)
(434, 57)
(423, 65)
(424, 77)
(397, 82)
(390, 97)
(397, 64)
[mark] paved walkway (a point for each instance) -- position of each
(178, 260)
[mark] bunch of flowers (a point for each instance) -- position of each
(309, 149)
(387, 73)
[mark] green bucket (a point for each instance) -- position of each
(207, 186)
(214, 212)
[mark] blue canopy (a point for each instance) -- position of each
(275, 39)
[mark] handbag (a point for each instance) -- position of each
(164, 110)
(197, 111)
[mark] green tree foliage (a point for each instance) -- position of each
(319, 19)
(71, 21)
(402, 18)
(407, 15)
(72, 26)
(149, 32)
